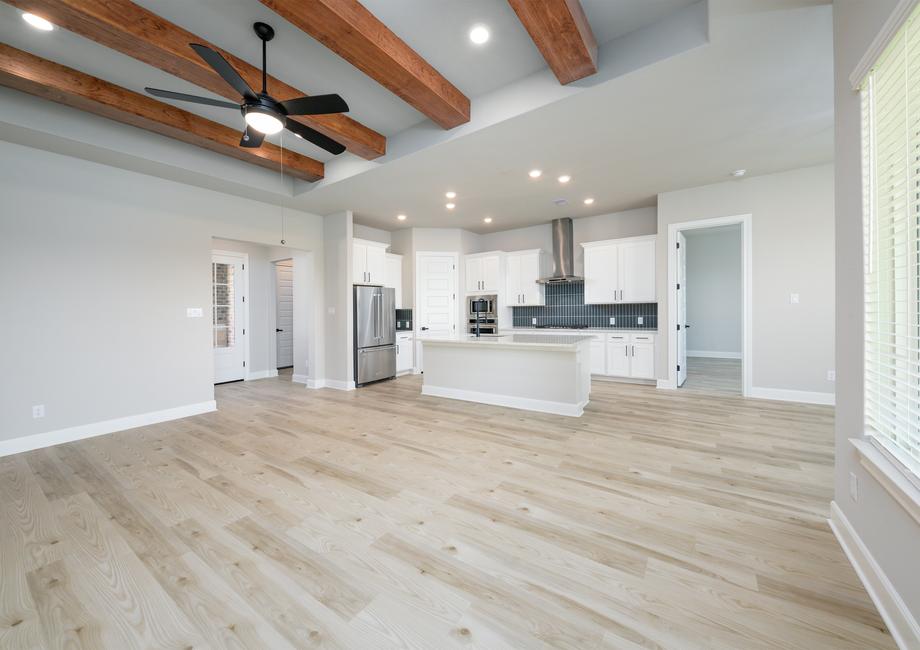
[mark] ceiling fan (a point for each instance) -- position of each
(264, 114)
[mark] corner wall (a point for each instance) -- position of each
(888, 533)
(97, 268)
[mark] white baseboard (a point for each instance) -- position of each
(665, 384)
(339, 385)
(901, 623)
(713, 354)
(261, 374)
(302, 379)
(524, 403)
(70, 434)
(785, 395)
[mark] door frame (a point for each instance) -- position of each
(747, 342)
(244, 257)
(456, 291)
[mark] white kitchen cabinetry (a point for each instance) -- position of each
(618, 349)
(620, 271)
(522, 270)
(404, 345)
(642, 356)
(369, 259)
(393, 276)
(484, 273)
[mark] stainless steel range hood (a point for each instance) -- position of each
(563, 254)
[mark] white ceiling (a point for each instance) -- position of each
(759, 97)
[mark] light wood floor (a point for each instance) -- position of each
(383, 519)
(720, 376)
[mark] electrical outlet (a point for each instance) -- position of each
(533, 321)
(38, 411)
(854, 487)
(831, 375)
(641, 320)
(194, 312)
(613, 321)
(793, 298)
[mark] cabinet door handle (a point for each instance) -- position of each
(626, 351)
(634, 350)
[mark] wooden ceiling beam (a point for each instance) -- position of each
(347, 28)
(560, 30)
(42, 78)
(133, 30)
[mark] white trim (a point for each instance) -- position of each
(714, 354)
(303, 379)
(890, 476)
(70, 434)
(524, 403)
(788, 395)
(747, 357)
(261, 374)
(881, 41)
(338, 384)
(901, 624)
(246, 329)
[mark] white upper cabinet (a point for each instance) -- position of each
(393, 276)
(369, 261)
(522, 270)
(620, 271)
(484, 273)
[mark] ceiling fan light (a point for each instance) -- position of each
(263, 122)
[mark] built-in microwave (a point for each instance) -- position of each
(482, 306)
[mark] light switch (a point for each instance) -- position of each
(794, 298)
(331, 311)
(194, 312)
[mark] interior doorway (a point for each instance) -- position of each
(709, 305)
(284, 314)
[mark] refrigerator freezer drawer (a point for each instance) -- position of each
(376, 363)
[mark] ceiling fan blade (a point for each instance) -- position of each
(314, 136)
(168, 94)
(224, 69)
(252, 139)
(315, 105)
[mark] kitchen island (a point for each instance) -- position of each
(550, 374)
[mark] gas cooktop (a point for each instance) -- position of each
(562, 327)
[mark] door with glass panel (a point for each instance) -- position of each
(228, 287)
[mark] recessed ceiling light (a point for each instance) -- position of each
(401, 217)
(37, 22)
(488, 219)
(450, 206)
(451, 195)
(479, 34)
(739, 173)
(535, 173)
(589, 201)
(565, 178)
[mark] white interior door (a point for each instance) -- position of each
(228, 288)
(437, 296)
(284, 313)
(681, 309)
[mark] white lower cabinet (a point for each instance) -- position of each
(617, 355)
(631, 355)
(404, 352)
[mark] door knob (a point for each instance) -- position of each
(278, 330)
(424, 329)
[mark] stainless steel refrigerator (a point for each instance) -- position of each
(375, 334)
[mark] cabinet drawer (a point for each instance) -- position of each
(643, 338)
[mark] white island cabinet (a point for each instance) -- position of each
(550, 374)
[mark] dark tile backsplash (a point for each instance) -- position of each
(403, 319)
(565, 306)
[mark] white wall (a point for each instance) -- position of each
(97, 268)
(714, 286)
(889, 533)
(339, 342)
(372, 234)
(793, 252)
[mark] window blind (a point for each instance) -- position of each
(890, 95)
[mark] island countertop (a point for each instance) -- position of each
(549, 342)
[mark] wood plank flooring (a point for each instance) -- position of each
(296, 518)
(721, 376)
